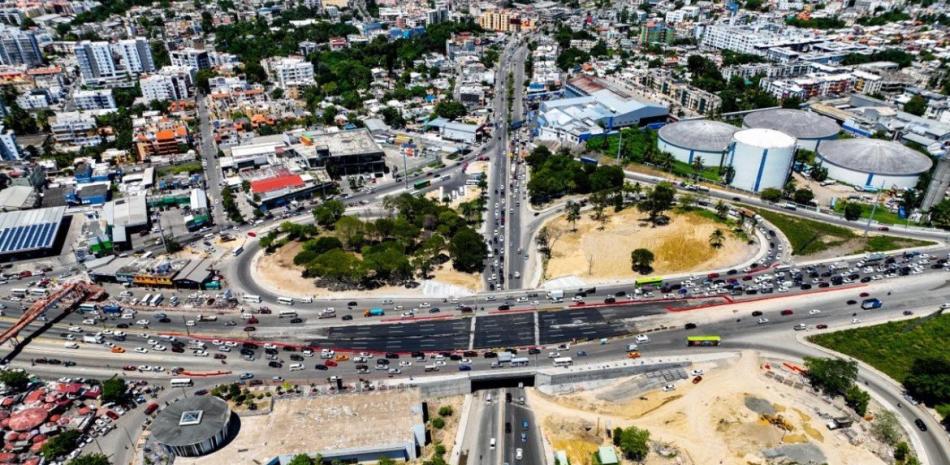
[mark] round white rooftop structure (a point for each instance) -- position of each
(764, 138)
(810, 129)
(873, 162)
(193, 426)
(698, 134)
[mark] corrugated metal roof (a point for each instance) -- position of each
(796, 123)
(880, 157)
(276, 183)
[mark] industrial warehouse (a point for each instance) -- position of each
(873, 163)
(32, 233)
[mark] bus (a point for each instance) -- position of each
(180, 382)
(519, 362)
(156, 299)
(285, 300)
(19, 292)
(703, 341)
(145, 300)
(252, 298)
(421, 184)
(650, 281)
(287, 314)
(88, 307)
(39, 291)
(563, 362)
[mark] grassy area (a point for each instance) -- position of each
(892, 347)
(709, 173)
(711, 215)
(881, 215)
(809, 237)
(187, 167)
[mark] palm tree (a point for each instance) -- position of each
(698, 163)
(717, 238)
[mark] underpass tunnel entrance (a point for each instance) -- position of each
(496, 382)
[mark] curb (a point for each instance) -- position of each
(759, 299)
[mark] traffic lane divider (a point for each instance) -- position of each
(759, 299)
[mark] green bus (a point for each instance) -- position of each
(650, 281)
(421, 184)
(703, 341)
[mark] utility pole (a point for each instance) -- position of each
(877, 199)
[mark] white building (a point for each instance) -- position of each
(9, 150)
(170, 83)
(95, 61)
(135, 55)
(290, 72)
(102, 63)
(99, 99)
(190, 57)
(75, 128)
(682, 14)
(755, 40)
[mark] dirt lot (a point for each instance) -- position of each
(724, 419)
(278, 272)
(603, 255)
(318, 424)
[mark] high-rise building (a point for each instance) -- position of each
(171, 83)
(135, 55)
(19, 48)
(9, 150)
(290, 72)
(190, 57)
(95, 61)
(97, 99)
(656, 32)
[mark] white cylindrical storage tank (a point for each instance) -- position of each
(704, 139)
(809, 129)
(873, 163)
(761, 158)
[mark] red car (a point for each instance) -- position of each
(151, 408)
(252, 234)
(130, 368)
(787, 312)
(331, 363)
(112, 415)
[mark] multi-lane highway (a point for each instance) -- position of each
(501, 429)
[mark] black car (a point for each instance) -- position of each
(69, 363)
(434, 310)
(690, 325)
(122, 326)
(351, 303)
(164, 320)
(610, 300)
(296, 357)
(470, 353)
(270, 351)
(908, 313)
(852, 302)
(346, 317)
(756, 313)
(274, 364)
(418, 355)
(382, 361)
(320, 367)
(249, 345)
(920, 425)
(296, 320)
(392, 355)
(289, 349)
(490, 354)
(455, 357)
(534, 351)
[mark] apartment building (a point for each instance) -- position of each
(190, 57)
(75, 129)
(287, 72)
(170, 83)
(19, 48)
(96, 99)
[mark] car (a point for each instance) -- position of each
(246, 375)
(118, 350)
(320, 367)
(296, 320)
(274, 364)
(346, 317)
(787, 312)
(908, 313)
(581, 353)
(669, 387)
(920, 425)
(756, 313)
(141, 350)
(249, 328)
(863, 294)
(331, 363)
(696, 372)
(821, 326)
(220, 356)
(763, 320)
(690, 325)
(814, 311)
(852, 302)
(642, 338)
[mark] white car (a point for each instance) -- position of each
(554, 354)
(71, 345)
(89, 321)
(696, 373)
(814, 311)
(159, 348)
(270, 346)
(642, 338)
(763, 321)
(405, 363)
(669, 387)
(142, 322)
(141, 350)
(190, 323)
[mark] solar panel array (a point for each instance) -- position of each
(34, 236)
(28, 230)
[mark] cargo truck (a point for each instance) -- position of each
(556, 294)
(374, 312)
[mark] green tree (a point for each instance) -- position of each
(658, 200)
(929, 381)
(90, 459)
(803, 196)
(852, 211)
(901, 452)
(722, 210)
(642, 261)
(833, 376)
(857, 399)
(886, 427)
(301, 459)
(573, 213)
(60, 445)
(114, 390)
(917, 105)
(770, 194)
(717, 238)
(445, 411)
(617, 436)
(940, 214)
(450, 109)
(818, 173)
(792, 102)
(17, 380)
(438, 423)
(467, 250)
(393, 118)
(329, 212)
(635, 443)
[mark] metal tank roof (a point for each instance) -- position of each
(881, 157)
(699, 134)
(191, 420)
(796, 123)
(764, 138)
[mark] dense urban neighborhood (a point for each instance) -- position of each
(457, 232)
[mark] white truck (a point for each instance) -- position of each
(92, 339)
(505, 357)
(556, 294)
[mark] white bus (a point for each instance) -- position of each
(252, 298)
(19, 292)
(287, 314)
(563, 362)
(285, 300)
(180, 382)
(145, 299)
(519, 362)
(88, 307)
(39, 291)
(156, 300)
